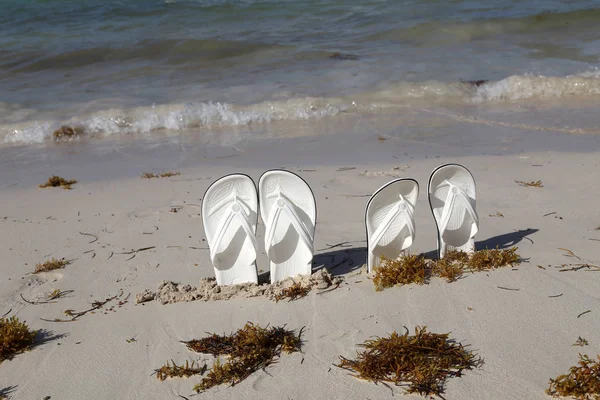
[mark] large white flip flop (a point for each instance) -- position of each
(229, 215)
(289, 212)
(390, 221)
(452, 199)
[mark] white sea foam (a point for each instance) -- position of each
(34, 133)
(206, 115)
(181, 117)
(521, 87)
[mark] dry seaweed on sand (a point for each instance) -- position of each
(582, 382)
(450, 271)
(49, 298)
(95, 306)
(580, 342)
(487, 259)
(404, 270)
(451, 266)
(422, 363)
(537, 184)
(179, 371)
(55, 294)
(294, 292)
(149, 175)
(248, 350)
(57, 181)
(15, 337)
(455, 263)
(51, 265)
(215, 345)
(416, 269)
(577, 266)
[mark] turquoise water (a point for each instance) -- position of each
(130, 67)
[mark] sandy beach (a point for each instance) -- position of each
(348, 95)
(522, 321)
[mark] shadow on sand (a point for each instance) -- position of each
(4, 392)
(342, 261)
(507, 240)
(43, 336)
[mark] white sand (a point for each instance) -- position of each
(525, 336)
(207, 290)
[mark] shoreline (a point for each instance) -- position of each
(307, 145)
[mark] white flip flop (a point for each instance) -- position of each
(229, 216)
(452, 199)
(389, 220)
(289, 212)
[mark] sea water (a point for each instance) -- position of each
(226, 71)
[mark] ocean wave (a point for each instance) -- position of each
(515, 88)
(166, 51)
(209, 115)
(177, 117)
(443, 32)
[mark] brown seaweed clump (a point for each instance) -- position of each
(149, 175)
(57, 181)
(455, 263)
(451, 267)
(179, 371)
(294, 292)
(66, 131)
(15, 337)
(582, 382)
(51, 265)
(402, 271)
(416, 269)
(487, 259)
(248, 350)
(422, 363)
(57, 294)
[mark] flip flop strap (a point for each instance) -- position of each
(401, 207)
(236, 210)
(280, 205)
(455, 195)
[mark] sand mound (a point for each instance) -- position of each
(208, 290)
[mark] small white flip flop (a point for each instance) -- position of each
(452, 199)
(229, 216)
(289, 212)
(390, 221)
